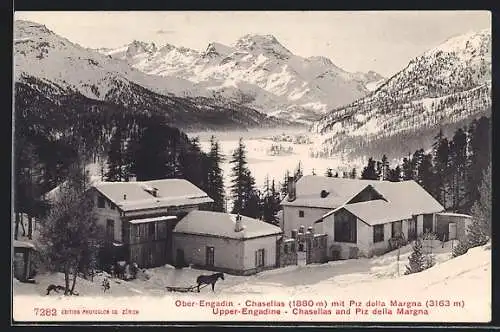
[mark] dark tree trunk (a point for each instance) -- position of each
(66, 278)
(22, 224)
(30, 227)
(75, 273)
(16, 229)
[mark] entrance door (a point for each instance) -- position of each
(209, 256)
(452, 231)
(179, 259)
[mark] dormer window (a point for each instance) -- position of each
(101, 202)
(324, 193)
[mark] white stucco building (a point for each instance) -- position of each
(360, 217)
(225, 242)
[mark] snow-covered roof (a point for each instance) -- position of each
(378, 212)
(146, 220)
(340, 190)
(138, 195)
(402, 200)
(223, 225)
(451, 214)
(23, 244)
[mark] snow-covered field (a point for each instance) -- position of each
(464, 281)
(261, 164)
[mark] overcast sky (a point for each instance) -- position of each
(355, 41)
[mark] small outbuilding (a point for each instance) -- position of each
(225, 242)
(452, 226)
(22, 260)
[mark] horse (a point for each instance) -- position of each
(209, 279)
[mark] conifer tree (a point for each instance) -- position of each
(70, 232)
(215, 179)
(353, 173)
(394, 174)
(407, 169)
(270, 202)
(417, 259)
(370, 172)
(284, 184)
(243, 190)
(385, 168)
(441, 163)
(425, 171)
(116, 158)
(298, 172)
(479, 231)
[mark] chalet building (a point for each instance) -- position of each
(359, 217)
(139, 217)
(226, 242)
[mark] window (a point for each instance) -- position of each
(427, 223)
(301, 214)
(378, 233)
(412, 228)
(110, 229)
(112, 206)
(397, 228)
(209, 256)
(259, 258)
(285, 248)
(345, 227)
(152, 228)
(100, 202)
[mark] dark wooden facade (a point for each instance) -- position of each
(149, 244)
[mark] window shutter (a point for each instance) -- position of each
(257, 258)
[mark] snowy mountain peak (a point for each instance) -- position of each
(322, 60)
(27, 28)
(267, 44)
(138, 47)
(468, 43)
(217, 49)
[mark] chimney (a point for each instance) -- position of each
(301, 229)
(238, 227)
(310, 230)
(154, 192)
(124, 197)
(291, 189)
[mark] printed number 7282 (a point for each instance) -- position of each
(45, 311)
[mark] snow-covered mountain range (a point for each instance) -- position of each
(46, 61)
(446, 85)
(255, 71)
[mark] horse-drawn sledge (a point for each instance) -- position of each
(201, 282)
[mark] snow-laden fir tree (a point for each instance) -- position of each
(69, 234)
(417, 262)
